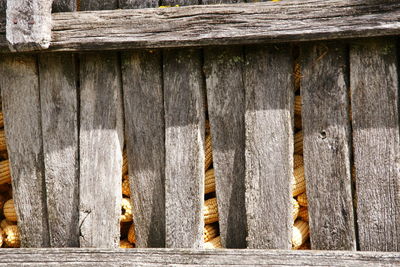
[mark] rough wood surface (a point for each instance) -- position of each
(145, 137)
(269, 146)
(59, 110)
(226, 107)
(327, 148)
(188, 257)
(19, 83)
(101, 143)
(184, 148)
(284, 21)
(28, 24)
(375, 113)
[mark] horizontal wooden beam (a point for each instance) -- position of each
(182, 257)
(233, 24)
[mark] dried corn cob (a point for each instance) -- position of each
(299, 182)
(210, 210)
(297, 105)
(296, 207)
(4, 223)
(125, 244)
(297, 161)
(298, 124)
(126, 206)
(208, 152)
(12, 237)
(208, 127)
(298, 143)
(126, 190)
(5, 176)
(213, 243)
(305, 246)
(210, 232)
(297, 76)
(124, 163)
(302, 199)
(303, 213)
(1, 237)
(1, 122)
(3, 146)
(300, 233)
(131, 234)
(9, 211)
(209, 181)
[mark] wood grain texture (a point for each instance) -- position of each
(327, 145)
(189, 257)
(223, 24)
(375, 113)
(28, 24)
(59, 114)
(145, 140)
(19, 83)
(226, 106)
(184, 148)
(269, 146)
(101, 143)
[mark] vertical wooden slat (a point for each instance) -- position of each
(226, 106)
(327, 148)
(22, 118)
(184, 148)
(145, 139)
(375, 118)
(269, 146)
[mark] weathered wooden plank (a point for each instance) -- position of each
(223, 24)
(19, 83)
(327, 148)
(189, 257)
(184, 148)
(269, 146)
(28, 24)
(59, 109)
(145, 134)
(226, 106)
(101, 142)
(375, 117)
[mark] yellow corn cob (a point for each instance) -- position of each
(299, 182)
(126, 190)
(131, 234)
(1, 122)
(208, 152)
(207, 126)
(9, 211)
(126, 206)
(300, 233)
(125, 244)
(296, 207)
(297, 105)
(298, 124)
(3, 146)
(298, 143)
(297, 76)
(303, 213)
(124, 163)
(210, 210)
(302, 199)
(12, 237)
(305, 246)
(1, 237)
(209, 181)
(4, 223)
(124, 177)
(297, 161)
(210, 231)
(5, 176)
(213, 243)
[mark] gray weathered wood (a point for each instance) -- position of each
(28, 24)
(224, 24)
(226, 107)
(375, 117)
(184, 148)
(327, 148)
(145, 135)
(19, 83)
(59, 109)
(188, 257)
(269, 146)
(101, 142)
